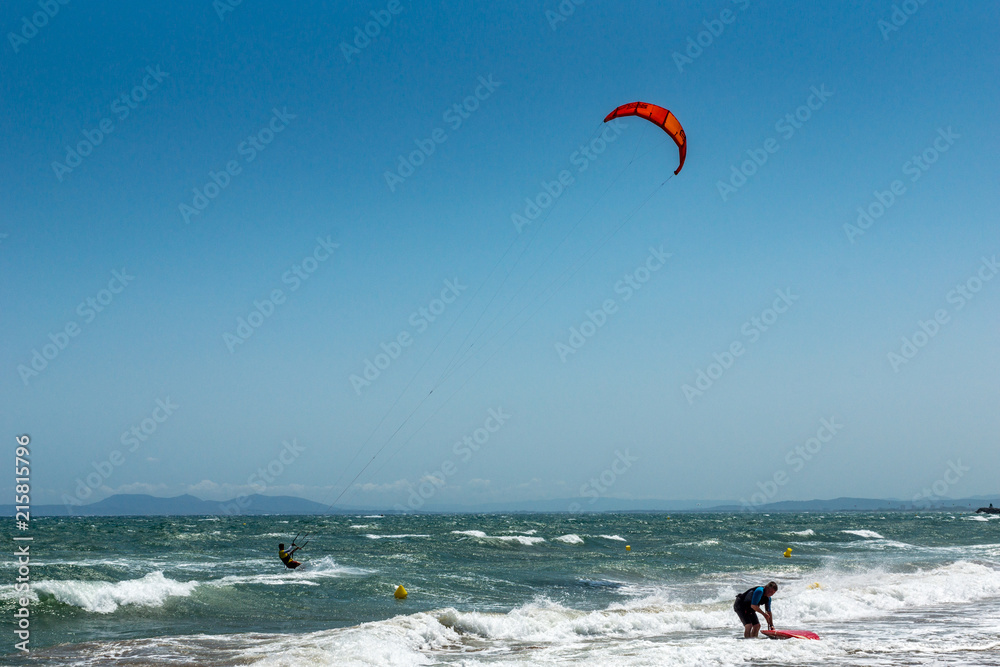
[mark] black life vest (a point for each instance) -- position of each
(746, 599)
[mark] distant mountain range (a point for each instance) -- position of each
(620, 505)
(187, 505)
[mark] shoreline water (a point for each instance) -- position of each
(511, 589)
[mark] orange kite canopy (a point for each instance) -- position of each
(659, 116)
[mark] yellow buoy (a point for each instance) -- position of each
(788, 552)
(815, 585)
(400, 593)
(628, 547)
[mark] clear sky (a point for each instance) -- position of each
(175, 164)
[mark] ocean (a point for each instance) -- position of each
(520, 589)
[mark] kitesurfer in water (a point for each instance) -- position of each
(286, 556)
(748, 603)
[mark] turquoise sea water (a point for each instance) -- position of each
(894, 588)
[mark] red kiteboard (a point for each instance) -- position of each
(789, 634)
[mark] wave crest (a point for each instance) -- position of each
(867, 534)
(526, 540)
(105, 597)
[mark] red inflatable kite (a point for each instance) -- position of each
(661, 117)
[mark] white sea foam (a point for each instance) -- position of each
(540, 632)
(361, 525)
(275, 579)
(701, 543)
(617, 538)
(871, 593)
(392, 537)
(121, 563)
(808, 532)
(526, 540)
(470, 533)
(889, 544)
(104, 597)
(308, 574)
(327, 566)
(876, 593)
(868, 534)
(572, 538)
(402, 641)
(975, 517)
(659, 628)
(423, 639)
(154, 589)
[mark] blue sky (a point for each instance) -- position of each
(328, 127)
